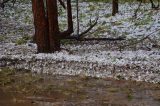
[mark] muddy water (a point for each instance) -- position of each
(77, 91)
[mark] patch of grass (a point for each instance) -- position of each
(144, 21)
(20, 41)
(119, 77)
(7, 72)
(107, 15)
(81, 16)
(27, 19)
(116, 23)
(130, 96)
(65, 42)
(92, 7)
(5, 78)
(129, 93)
(23, 40)
(113, 90)
(20, 80)
(2, 38)
(100, 30)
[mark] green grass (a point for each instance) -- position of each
(23, 40)
(130, 96)
(113, 90)
(2, 38)
(19, 80)
(144, 21)
(65, 41)
(4, 79)
(119, 77)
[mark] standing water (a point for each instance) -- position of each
(19, 88)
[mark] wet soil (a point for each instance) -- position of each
(23, 88)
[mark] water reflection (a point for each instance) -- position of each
(85, 91)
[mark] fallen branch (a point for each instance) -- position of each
(92, 39)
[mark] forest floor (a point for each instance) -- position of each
(137, 58)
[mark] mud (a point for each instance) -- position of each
(23, 88)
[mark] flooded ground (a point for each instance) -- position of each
(23, 88)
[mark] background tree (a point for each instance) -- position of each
(114, 7)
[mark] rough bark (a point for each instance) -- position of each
(52, 12)
(47, 34)
(41, 26)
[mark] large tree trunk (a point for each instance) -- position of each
(41, 26)
(114, 7)
(52, 13)
(47, 34)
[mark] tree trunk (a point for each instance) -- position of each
(47, 34)
(114, 7)
(41, 26)
(69, 30)
(52, 13)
